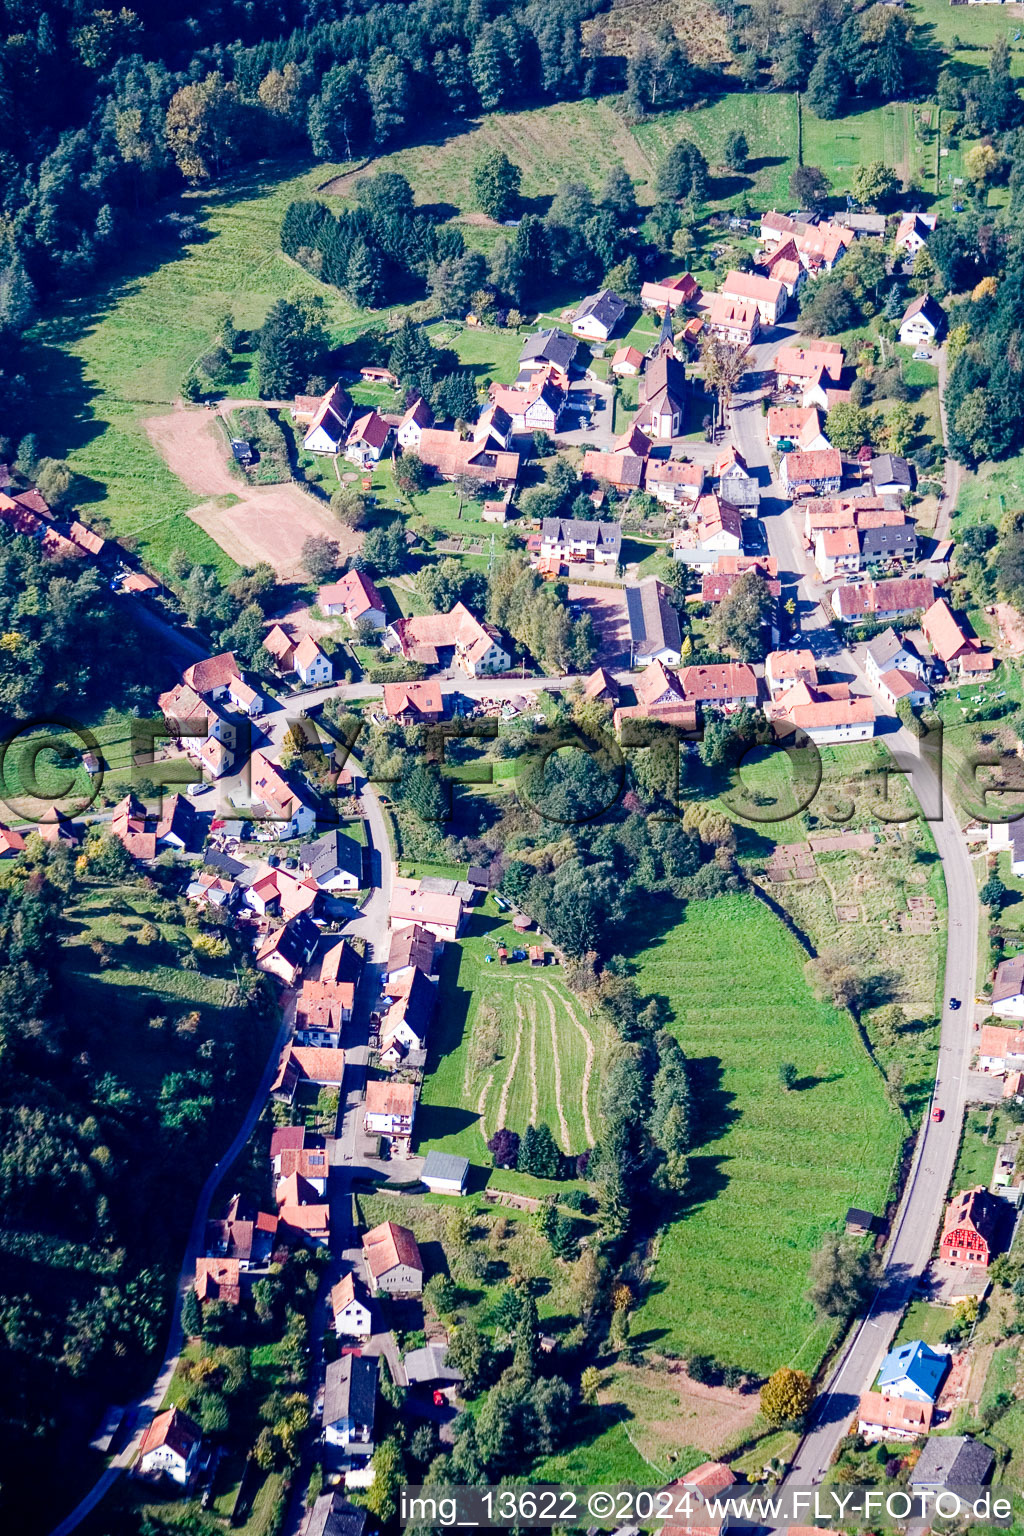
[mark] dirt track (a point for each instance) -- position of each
(268, 522)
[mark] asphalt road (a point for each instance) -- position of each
(923, 1203)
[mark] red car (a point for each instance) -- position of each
(937, 1113)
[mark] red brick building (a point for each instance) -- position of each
(969, 1229)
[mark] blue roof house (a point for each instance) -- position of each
(913, 1370)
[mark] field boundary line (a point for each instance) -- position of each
(512, 1064)
(562, 1122)
(588, 1045)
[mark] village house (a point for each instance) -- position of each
(814, 372)
(627, 362)
(578, 540)
(736, 321)
(493, 427)
(535, 404)
(888, 651)
(405, 1025)
(836, 552)
(441, 915)
(329, 420)
(306, 1224)
(622, 470)
(414, 703)
(600, 686)
(598, 315)
(411, 951)
(654, 633)
(883, 599)
(170, 1447)
(951, 643)
(784, 266)
(282, 803)
(888, 541)
(913, 1371)
(659, 697)
(719, 528)
(445, 1173)
(952, 1463)
(828, 712)
(451, 457)
(811, 474)
(923, 320)
(280, 647)
(766, 293)
(662, 397)
(674, 482)
(896, 684)
(736, 484)
(285, 951)
(416, 420)
(318, 1064)
(717, 584)
(390, 1110)
(11, 843)
(670, 292)
(144, 835)
(721, 687)
(449, 639)
(315, 669)
(350, 1400)
(892, 1418)
(393, 1260)
(299, 1168)
(969, 1230)
(782, 669)
(1008, 988)
(891, 475)
(218, 1279)
(367, 439)
(334, 862)
(244, 1234)
(322, 1008)
(350, 1309)
(210, 889)
(913, 232)
(1000, 1050)
(798, 426)
(354, 598)
(279, 892)
(549, 349)
(820, 247)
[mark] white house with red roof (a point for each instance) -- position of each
(329, 422)
(828, 712)
(170, 1447)
(313, 666)
(367, 439)
(414, 423)
(354, 598)
(670, 292)
(767, 293)
(914, 231)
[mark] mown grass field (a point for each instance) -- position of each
(509, 1047)
(773, 1171)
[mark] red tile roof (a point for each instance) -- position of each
(389, 1245)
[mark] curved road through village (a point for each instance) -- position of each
(921, 1209)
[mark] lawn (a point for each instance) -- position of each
(510, 1047)
(923, 1321)
(984, 1129)
(879, 133)
(770, 124)
(773, 1170)
(116, 355)
(986, 494)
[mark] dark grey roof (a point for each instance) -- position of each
(480, 876)
(550, 346)
(890, 469)
(333, 1515)
(741, 491)
(606, 307)
(561, 530)
(952, 1461)
(335, 850)
(445, 1165)
(855, 1217)
(885, 646)
(653, 622)
(223, 863)
(350, 1389)
(428, 1364)
(876, 542)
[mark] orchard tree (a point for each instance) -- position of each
(786, 1397)
(842, 1276)
(740, 618)
(873, 184)
(848, 426)
(319, 557)
(810, 187)
(496, 182)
